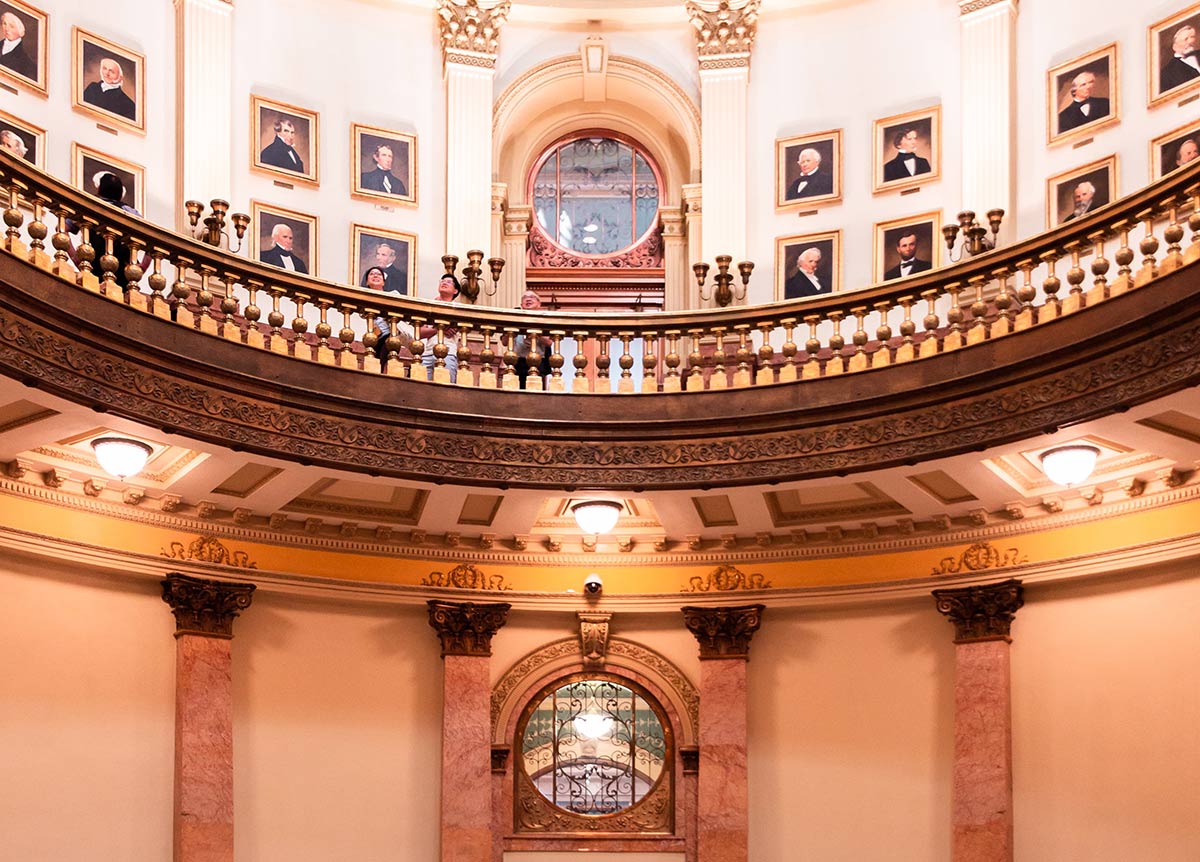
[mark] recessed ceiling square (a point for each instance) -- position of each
(715, 511)
(247, 479)
(377, 501)
(834, 502)
(18, 413)
(479, 510)
(942, 487)
(1175, 423)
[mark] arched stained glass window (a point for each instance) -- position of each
(595, 195)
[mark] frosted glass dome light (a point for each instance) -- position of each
(121, 457)
(1069, 465)
(596, 517)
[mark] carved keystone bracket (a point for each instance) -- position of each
(593, 636)
(982, 613)
(467, 628)
(203, 607)
(724, 632)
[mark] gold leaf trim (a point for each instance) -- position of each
(465, 576)
(979, 557)
(209, 549)
(725, 579)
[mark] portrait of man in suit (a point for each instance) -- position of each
(808, 170)
(282, 251)
(1082, 94)
(1078, 193)
(14, 143)
(812, 180)
(906, 163)
(1084, 107)
(910, 262)
(108, 93)
(394, 253)
(1183, 64)
(108, 80)
(384, 164)
(15, 54)
(804, 280)
(395, 279)
(281, 152)
(381, 178)
(284, 140)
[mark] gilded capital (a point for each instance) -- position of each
(982, 613)
(467, 628)
(470, 32)
(724, 34)
(724, 632)
(203, 607)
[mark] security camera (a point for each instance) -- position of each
(592, 584)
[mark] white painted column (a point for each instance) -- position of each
(517, 221)
(469, 153)
(723, 164)
(693, 207)
(988, 75)
(677, 272)
(204, 111)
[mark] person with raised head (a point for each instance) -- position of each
(906, 163)
(281, 152)
(395, 279)
(804, 281)
(448, 291)
(1083, 196)
(910, 264)
(280, 253)
(108, 93)
(14, 55)
(1184, 64)
(813, 181)
(373, 280)
(1084, 107)
(530, 301)
(381, 178)
(12, 142)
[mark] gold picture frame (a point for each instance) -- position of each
(365, 242)
(927, 253)
(788, 249)
(1068, 120)
(1061, 188)
(371, 148)
(31, 137)
(108, 81)
(297, 160)
(87, 165)
(26, 63)
(794, 190)
(1165, 79)
(304, 248)
(1168, 152)
(907, 150)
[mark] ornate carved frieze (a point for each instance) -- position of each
(653, 815)
(645, 255)
(724, 35)
(465, 576)
(726, 578)
(467, 628)
(470, 32)
(208, 549)
(593, 636)
(204, 607)
(981, 613)
(979, 557)
(724, 632)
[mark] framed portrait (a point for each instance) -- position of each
(108, 81)
(1172, 57)
(808, 265)
(1083, 95)
(1173, 150)
(283, 238)
(1080, 191)
(23, 140)
(25, 32)
(384, 164)
(284, 140)
(88, 165)
(907, 246)
(808, 170)
(908, 149)
(392, 251)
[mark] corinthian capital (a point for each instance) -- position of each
(981, 613)
(725, 34)
(723, 632)
(467, 628)
(470, 32)
(204, 607)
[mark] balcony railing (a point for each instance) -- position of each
(1029, 284)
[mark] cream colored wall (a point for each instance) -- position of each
(337, 731)
(851, 734)
(87, 728)
(1106, 720)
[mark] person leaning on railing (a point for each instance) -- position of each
(530, 301)
(111, 190)
(374, 279)
(448, 291)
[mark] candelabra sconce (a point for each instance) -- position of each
(471, 282)
(975, 239)
(213, 230)
(722, 292)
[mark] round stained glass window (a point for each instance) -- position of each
(595, 195)
(594, 747)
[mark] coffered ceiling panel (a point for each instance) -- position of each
(813, 504)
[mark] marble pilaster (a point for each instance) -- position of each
(677, 272)
(466, 630)
(203, 807)
(982, 809)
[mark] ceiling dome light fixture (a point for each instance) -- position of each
(120, 456)
(596, 517)
(1069, 465)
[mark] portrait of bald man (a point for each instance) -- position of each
(282, 251)
(1079, 193)
(809, 265)
(1085, 106)
(1182, 63)
(108, 79)
(16, 54)
(808, 169)
(814, 178)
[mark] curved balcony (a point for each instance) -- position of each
(1041, 334)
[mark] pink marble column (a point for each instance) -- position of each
(204, 612)
(722, 793)
(466, 630)
(982, 793)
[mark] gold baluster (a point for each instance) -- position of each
(158, 283)
(275, 320)
(953, 339)
(415, 362)
(37, 233)
(766, 355)
(370, 342)
(907, 350)
(741, 377)
(509, 372)
(180, 291)
(1049, 310)
(603, 361)
(345, 356)
(1003, 301)
(14, 218)
(649, 362)
(929, 347)
(323, 331)
(812, 348)
(1193, 250)
(695, 381)
(1075, 275)
(858, 359)
(108, 267)
(534, 382)
(1173, 235)
(625, 384)
(790, 370)
(1148, 246)
(231, 328)
(85, 255)
(62, 242)
(466, 373)
(441, 374)
(836, 363)
(883, 335)
(392, 346)
(977, 331)
(253, 314)
(1124, 259)
(672, 381)
(557, 384)
(1026, 294)
(1099, 289)
(487, 359)
(301, 349)
(719, 379)
(204, 299)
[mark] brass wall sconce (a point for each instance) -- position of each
(974, 235)
(471, 281)
(214, 225)
(721, 291)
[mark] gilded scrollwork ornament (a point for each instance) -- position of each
(208, 549)
(471, 32)
(981, 613)
(726, 578)
(465, 576)
(979, 557)
(724, 34)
